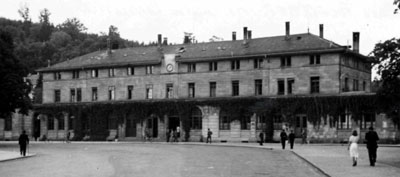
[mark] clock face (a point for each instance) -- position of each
(170, 67)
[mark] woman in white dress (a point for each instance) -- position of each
(353, 147)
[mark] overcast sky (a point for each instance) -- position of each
(142, 20)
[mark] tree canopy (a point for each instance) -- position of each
(14, 90)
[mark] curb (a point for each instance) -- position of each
(16, 158)
(313, 165)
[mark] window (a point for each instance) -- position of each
(191, 67)
(95, 73)
(57, 96)
(213, 66)
(346, 85)
(57, 75)
(75, 74)
(235, 64)
(61, 123)
(149, 91)
(8, 123)
(196, 120)
(258, 86)
(315, 59)
(261, 123)
(281, 86)
(277, 121)
(191, 90)
(367, 121)
(213, 89)
(72, 93)
(111, 93)
(355, 85)
(130, 92)
(344, 121)
(130, 71)
(286, 61)
(50, 123)
(364, 86)
(78, 94)
(235, 88)
(149, 69)
(314, 82)
(258, 63)
(111, 72)
(224, 121)
(245, 122)
(169, 91)
(94, 93)
(290, 83)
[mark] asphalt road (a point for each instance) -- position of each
(153, 160)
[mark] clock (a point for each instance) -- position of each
(170, 67)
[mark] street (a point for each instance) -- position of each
(153, 159)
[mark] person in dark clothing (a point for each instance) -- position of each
(372, 145)
(283, 138)
(23, 141)
(261, 138)
(291, 139)
(168, 135)
(209, 133)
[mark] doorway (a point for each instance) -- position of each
(36, 126)
(130, 127)
(152, 126)
(301, 123)
(173, 122)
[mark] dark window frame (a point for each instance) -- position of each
(314, 84)
(130, 92)
(281, 86)
(57, 95)
(258, 85)
(213, 89)
(235, 88)
(169, 90)
(191, 90)
(94, 94)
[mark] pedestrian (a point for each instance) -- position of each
(178, 132)
(209, 133)
(283, 138)
(23, 141)
(291, 139)
(261, 138)
(372, 145)
(353, 147)
(174, 136)
(303, 136)
(168, 135)
(68, 136)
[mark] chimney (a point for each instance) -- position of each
(244, 33)
(356, 41)
(234, 36)
(249, 34)
(108, 45)
(287, 29)
(159, 40)
(165, 42)
(321, 30)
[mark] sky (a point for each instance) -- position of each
(142, 20)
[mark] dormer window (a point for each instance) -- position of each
(286, 61)
(191, 67)
(111, 72)
(57, 75)
(94, 73)
(315, 59)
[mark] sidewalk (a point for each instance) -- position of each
(12, 155)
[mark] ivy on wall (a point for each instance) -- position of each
(314, 107)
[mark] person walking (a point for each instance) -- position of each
(291, 139)
(209, 133)
(353, 147)
(68, 136)
(283, 138)
(372, 145)
(261, 138)
(303, 136)
(23, 141)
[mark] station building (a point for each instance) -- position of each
(235, 88)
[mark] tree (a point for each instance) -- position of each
(397, 4)
(14, 91)
(387, 55)
(73, 27)
(46, 27)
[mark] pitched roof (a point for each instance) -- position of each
(277, 45)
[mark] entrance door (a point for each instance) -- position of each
(130, 130)
(301, 123)
(173, 123)
(152, 126)
(36, 127)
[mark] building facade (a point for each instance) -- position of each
(78, 93)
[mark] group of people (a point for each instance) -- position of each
(173, 135)
(285, 137)
(372, 138)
